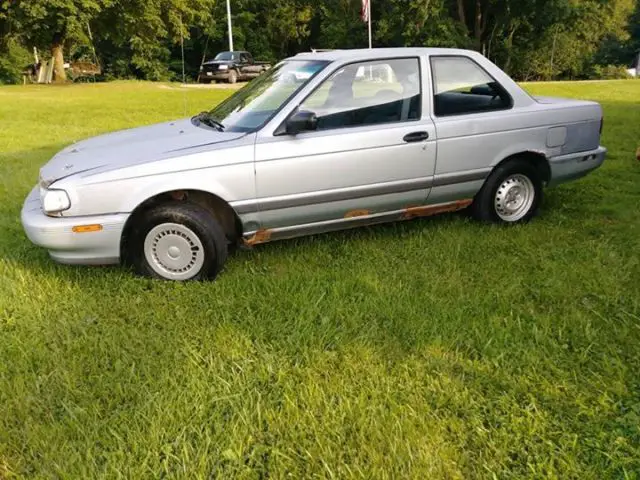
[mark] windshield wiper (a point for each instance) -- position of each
(204, 117)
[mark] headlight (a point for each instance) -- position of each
(55, 201)
(223, 67)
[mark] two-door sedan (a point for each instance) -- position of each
(322, 141)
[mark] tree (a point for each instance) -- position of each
(542, 38)
(530, 39)
(136, 37)
(52, 24)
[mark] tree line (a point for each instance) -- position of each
(530, 39)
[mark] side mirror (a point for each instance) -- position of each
(301, 121)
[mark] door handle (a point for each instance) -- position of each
(416, 136)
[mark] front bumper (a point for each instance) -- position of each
(218, 75)
(575, 165)
(66, 246)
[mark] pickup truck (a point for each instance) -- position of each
(320, 142)
(231, 67)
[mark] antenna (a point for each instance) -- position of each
(184, 81)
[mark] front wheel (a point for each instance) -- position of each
(512, 194)
(179, 241)
(233, 77)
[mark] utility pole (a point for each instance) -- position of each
(229, 25)
(553, 50)
(370, 44)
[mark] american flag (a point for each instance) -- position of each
(364, 13)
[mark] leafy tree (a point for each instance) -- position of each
(52, 24)
(137, 36)
(622, 51)
(13, 59)
(530, 39)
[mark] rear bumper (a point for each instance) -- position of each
(575, 165)
(64, 245)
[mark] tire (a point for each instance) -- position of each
(512, 194)
(233, 76)
(168, 232)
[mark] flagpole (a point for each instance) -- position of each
(370, 46)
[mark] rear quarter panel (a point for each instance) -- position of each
(473, 144)
(483, 140)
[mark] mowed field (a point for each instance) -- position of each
(436, 348)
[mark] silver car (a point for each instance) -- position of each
(323, 141)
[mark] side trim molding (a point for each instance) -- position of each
(453, 178)
(351, 193)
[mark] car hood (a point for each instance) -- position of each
(129, 147)
(218, 62)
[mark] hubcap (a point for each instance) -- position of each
(514, 197)
(174, 251)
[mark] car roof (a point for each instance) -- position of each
(372, 53)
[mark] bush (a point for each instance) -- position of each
(608, 72)
(14, 58)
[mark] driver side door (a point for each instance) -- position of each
(373, 151)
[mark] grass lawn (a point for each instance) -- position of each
(437, 348)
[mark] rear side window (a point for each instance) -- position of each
(461, 86)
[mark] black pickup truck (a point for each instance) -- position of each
(231, 67)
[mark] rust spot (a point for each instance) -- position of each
(356, 213)
(178, 195)
(428, 210)
(261, 236)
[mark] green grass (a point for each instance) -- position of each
(437, 348)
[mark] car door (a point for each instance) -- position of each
(373, 150)
(249, 67)
(469, 112)
(245, 66)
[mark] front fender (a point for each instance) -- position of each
(231, 183)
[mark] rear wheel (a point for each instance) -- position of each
(179, 241)
(512, 194)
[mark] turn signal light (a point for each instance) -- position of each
(87, 228)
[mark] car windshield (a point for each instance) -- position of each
(253, 105)
(226, 56)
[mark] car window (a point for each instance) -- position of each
(367, 93)
(252, 106)
(225, 56)
(461, 86)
